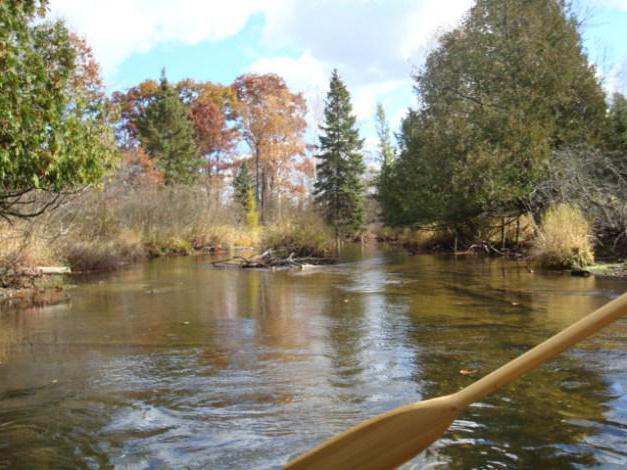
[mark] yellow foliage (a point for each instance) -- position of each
(564, 239)
(306, 236)
(252, 216)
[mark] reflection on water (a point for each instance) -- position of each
(176, 364)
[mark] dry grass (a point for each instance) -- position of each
(224, 237)
(164, 220)
(101, 230)
(305, 236)
(564, 239)
(25, 244)
(103, 255)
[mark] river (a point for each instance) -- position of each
(175, 364)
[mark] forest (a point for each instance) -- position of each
(512, 146)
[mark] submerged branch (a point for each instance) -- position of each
(270, 259)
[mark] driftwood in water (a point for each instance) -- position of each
(54, 270)
(270, 259)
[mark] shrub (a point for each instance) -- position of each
(305, 236)
(103, 255)
(223, 237)
(524, 233)
(564, 239)
(24, 244)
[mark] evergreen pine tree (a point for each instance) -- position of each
(243, 184)
(339, 189)
(168, 136)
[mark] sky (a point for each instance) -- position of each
(376, 45)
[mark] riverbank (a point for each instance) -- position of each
(563, 240)
(91, 245)
(610, 269)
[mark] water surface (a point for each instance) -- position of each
(174, 364)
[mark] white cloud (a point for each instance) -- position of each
(374, 40)
(365, 97)
(117, 29)
(310, 76)
(378, 38)
(617, 4)
(304, 74)
(615, 80)
(375, 45)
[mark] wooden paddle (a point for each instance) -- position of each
(392, 438)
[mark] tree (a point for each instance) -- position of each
(244, 194)
(167, 135)
(595, 181)
(139, 169)
(212, 113)
(494, 107)
(385, 183)
(55, 134)
(211, 110)
(132, 106)
(243, 185)
(273, 125)
(618, 124)
(339, 189)
(386, 149)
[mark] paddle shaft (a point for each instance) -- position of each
(543, 352)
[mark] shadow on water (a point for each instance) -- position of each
(174, 363)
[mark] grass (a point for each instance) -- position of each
(104, 255)
(23, 247)
(564, 239)
(102, 230)
(226, 237)
(306, 236)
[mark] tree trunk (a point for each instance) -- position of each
(502, 233)
(257, 177)
(518, 232)
(265, 194)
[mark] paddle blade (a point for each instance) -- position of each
(385, 441)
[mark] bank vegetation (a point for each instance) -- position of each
(512, 148)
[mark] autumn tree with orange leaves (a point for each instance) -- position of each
(210, 110)
(272, 122)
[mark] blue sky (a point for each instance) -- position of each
(375, 44)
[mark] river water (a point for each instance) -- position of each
(175, 364)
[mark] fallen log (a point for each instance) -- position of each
(271, 260)
(54, 270)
